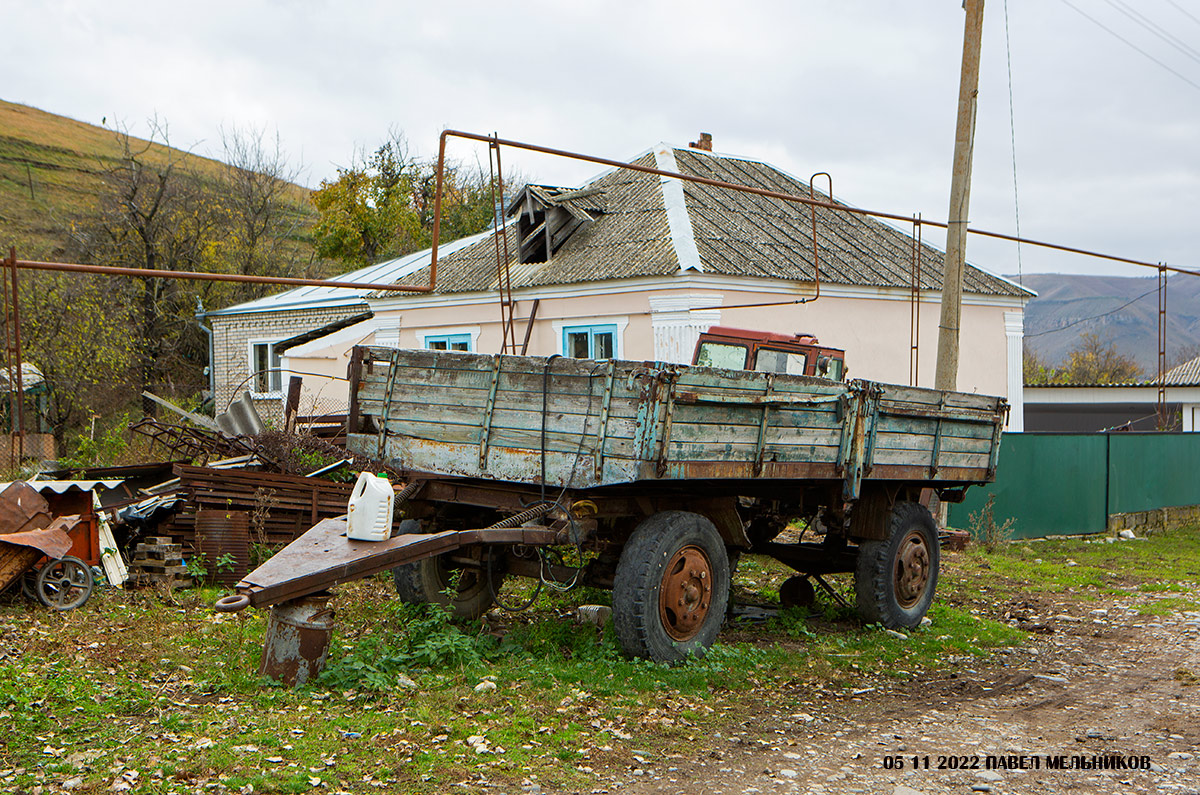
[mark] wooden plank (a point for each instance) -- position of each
(945, 459)
(528, 439)
(924, 444)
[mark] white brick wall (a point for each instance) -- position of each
(231, 342)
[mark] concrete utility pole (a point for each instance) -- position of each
(960, 199)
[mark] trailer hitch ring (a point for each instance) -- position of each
(232, 603)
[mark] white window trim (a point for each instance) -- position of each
(620, 322)
(250, 369)
(424, 334)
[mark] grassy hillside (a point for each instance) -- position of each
(52, 173)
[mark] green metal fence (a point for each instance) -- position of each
(1062, 484)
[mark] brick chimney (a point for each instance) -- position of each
(704, 143)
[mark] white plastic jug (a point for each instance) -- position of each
(369, 514)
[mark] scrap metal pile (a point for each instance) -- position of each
(217, 502)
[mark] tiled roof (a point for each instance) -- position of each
(736, 234)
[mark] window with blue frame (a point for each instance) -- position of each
(590, 342)
(449, 342)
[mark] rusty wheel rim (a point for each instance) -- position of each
(685, 595)
(912, 569)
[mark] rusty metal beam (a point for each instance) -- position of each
(770, 194)
(148, 273)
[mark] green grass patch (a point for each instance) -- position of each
(163, 694)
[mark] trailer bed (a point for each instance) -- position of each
(580, 424)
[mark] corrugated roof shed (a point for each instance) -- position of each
(1186, 374)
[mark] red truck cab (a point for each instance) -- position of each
(764, 351)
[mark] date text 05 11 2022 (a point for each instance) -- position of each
(1018, 762)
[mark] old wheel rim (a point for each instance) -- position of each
(685, 595)
(912, 569)
(64, 584)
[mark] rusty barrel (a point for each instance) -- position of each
(298, 634)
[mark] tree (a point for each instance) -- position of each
(382, 205)
(78, 337)
(1091, 361)
(264, 209)
(1036, 371)
(1095, 361)
(1183, 354)
(155, 215)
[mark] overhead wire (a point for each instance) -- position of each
(1012, 128)
(1185, 12)
(1129, 43)
(1156, 30)
(1093, 317)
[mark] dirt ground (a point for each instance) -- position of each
(1099, 680)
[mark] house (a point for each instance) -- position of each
(635, 266)
(1087, 408)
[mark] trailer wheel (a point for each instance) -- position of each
(429, 582)
(895, 578)
(671, 587)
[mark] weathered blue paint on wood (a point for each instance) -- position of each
(593, 423)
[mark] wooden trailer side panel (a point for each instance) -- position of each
(587, 423)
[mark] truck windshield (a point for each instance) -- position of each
(716, 354)
(774, 361)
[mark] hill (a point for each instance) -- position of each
(1122, 310)
(52, 174)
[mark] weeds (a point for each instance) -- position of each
(985, 530)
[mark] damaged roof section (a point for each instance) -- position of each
(548, 216)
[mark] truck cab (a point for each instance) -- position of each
(767, 352)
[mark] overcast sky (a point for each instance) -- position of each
(1106, 138)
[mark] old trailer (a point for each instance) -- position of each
(647, 478)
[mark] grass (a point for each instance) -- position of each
(161, 695)
(52, 175)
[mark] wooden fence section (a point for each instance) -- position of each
(280, 507)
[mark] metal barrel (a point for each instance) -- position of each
(297, 643)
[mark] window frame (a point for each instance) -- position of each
(273, 373)
(592, 328)
(427, 335)
(448, 339)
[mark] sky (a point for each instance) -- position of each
(1104, 114)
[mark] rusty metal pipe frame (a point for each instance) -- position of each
(770, 194)
(12, 349)
(149, 273)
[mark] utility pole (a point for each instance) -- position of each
(960, 199)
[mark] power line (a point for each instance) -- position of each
(1094, 317)
(1156, 29)
(1185, 12)
(1012, 128)
(1126, 41)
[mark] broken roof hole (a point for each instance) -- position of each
(547, 217)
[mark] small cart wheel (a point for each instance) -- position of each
(64, 584)
(671, 587)
(29, 584)
(432, 580)
(895, 578)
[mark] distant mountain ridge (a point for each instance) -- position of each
(1122, 310)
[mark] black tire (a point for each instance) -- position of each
(895, 579)
(427, 581)
(673, 553)
(64, 584)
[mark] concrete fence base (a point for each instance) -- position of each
(1154, 521)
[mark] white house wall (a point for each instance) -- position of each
(872, 325)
